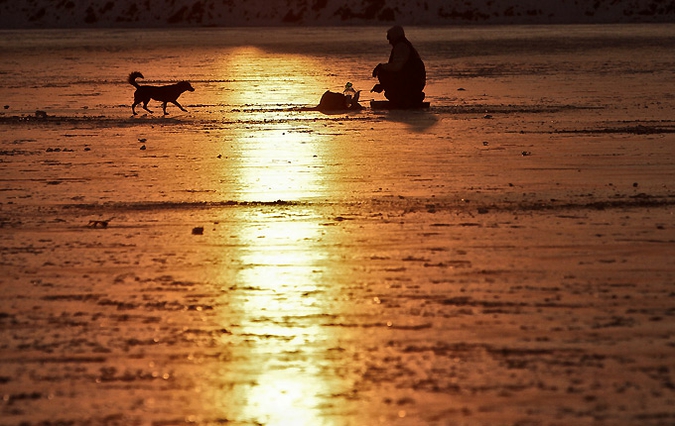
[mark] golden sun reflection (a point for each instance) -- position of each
(289, 396)
(278, 300)
(279, 295)
(277, 149)
(279, 164)
(258, 78)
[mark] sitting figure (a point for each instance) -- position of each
(402, 78)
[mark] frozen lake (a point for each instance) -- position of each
(504, 257)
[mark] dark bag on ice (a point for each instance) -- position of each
(331, 101)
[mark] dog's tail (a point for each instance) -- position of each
(132, 78)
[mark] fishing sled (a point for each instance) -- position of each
(382, 105)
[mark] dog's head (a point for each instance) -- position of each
(185, 85)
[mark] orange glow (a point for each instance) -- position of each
(278, 251)
(280, 267)
(254, 77)
(277, 152)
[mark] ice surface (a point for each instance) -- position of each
(504, 257)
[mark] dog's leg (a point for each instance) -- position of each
(179, 106)
(164, 108)
(136, 100)
(145, 107)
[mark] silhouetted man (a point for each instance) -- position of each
(402, 78)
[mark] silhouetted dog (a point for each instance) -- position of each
(164, 94)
